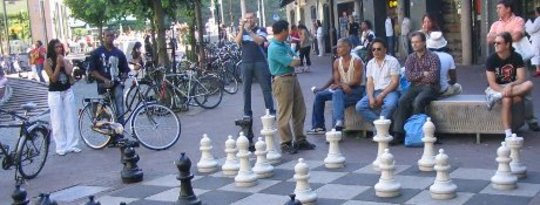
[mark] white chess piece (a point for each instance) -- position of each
(334, 159)
(387, 186)
(383, 137)
(503, 178)
(268, 132)
(262, 168)
(443, 187)
(515, 144)
(245, 177)
(207, 163)
(427, 161)
(302, 190)
(231, 165)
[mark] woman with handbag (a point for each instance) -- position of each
(61, 99)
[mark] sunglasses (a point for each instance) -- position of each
(376, 49)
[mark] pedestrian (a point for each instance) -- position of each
(294, 38)
(320, 38)
(37, 56)
(448, 80)
(389, 30)
(305, 48)
(61, 99)
(404, 37)
(429, 24)
(534, 31)
(353, 29)
(287, 91)
(137, 58)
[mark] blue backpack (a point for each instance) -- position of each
(413, 130)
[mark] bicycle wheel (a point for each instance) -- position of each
(87, 118)
(156, 126)
(162, 94)
(32, 152)
(208, 92)
(131, 97)
(230, 83)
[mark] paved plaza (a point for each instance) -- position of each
(73, 177)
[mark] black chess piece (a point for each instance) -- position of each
(131, 173)
(123, 203)
(293, 201)
(45, 200)
(91, 201)
(19, 196)
(246, 126)
(187, 196)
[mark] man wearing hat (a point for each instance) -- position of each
(448, 81)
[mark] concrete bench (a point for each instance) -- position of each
(461, 114)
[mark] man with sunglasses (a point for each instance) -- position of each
(382, 80)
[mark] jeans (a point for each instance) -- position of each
(260, 71)
(387, 108)
(340, 101)
(39, 69)
(304, 53)
(390, 41)
(62, 105)
(354, 40)
(413, 101)
(118, 95)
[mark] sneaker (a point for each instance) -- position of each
(288, 148)
(339, 126)
(304, 145)
(534, 126)
(61, 152)
(490, 101)
(316, 131)
(75, 149)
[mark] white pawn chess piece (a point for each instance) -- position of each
(334, 159)
(515, 144)
(245, 177)
(302, 190)
(427, 161)
(273, 156)
(387, 186)
(383, 137)
(503, 178)
(443, 187)
(262, 168)
(207, 163)
(231, 165)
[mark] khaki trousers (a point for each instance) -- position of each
(290, 108)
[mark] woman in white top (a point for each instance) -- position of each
(534, 31)
(320, 38)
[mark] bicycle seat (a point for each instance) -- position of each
(29, 106)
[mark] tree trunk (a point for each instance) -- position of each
(100, 33)
(159, 16)
(200, 31)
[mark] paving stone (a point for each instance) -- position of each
(358, 179)
(349, 167)
(368, 169)
(258, 198)
(477, 174)
(313, 164)
(151, 202)
(338, 191)
(412, 182)
(113, 200)
(523, 189)
(354, 202)
(470, 185)
(323, 201)
(322, 176)
(220, 197)
(424, 198)
(261, 184)
(76, 192)
(369, 195)
(211, 183)
(490, 199)
(140, 191)
(172, 194)
(285, 188)
(167, 180)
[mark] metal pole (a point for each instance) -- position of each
(243, 7)
(263, 14)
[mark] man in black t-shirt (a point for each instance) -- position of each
(353, 28)
(506, 76)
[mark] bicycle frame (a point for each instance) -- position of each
(190, 84)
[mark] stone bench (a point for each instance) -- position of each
(461, 114)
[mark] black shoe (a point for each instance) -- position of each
(534, 127)
(288, 148)
(304, 145)
(251, 148)
(117, 141)
(398, 139)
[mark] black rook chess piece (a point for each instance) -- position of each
(131, 173)
(293, 201)
(187, 196)
(19, 196)
(45, 200)
(246, 126)
(91, 201)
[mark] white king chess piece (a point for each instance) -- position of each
(334, 159)
(515, 144)
(387, 186)
(245, 177)
(262, 168)
(231, 165)
(207, 163)
(427, 161)
(268, 132)
(503, 178)
(443, 187)
(383, 137)
(302, 190)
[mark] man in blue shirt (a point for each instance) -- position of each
(287, 91)
(109, 66)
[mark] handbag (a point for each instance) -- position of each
(524, 48)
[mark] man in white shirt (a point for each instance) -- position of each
(389, 28)
(448, 81)
(404, 37)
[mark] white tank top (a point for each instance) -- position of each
(346, 77)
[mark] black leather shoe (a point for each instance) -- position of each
(534, 126)
(288, 148)
(304, 145)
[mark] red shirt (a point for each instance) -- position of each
(41, 57)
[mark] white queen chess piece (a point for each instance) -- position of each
(383, 137)
(443, 187)
(207, 163)
(427, 161)
(245, 177)
(334, 159)
(268, 132)
(387, 186)
(302, 190)
(503, 178)
(515, 144)
(231, 165)
(262, 168)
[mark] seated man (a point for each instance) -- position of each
(448, 82)
(506, 79)
(382, 80)
(344, 90)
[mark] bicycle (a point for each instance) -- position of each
(155, 126)
(32, 147)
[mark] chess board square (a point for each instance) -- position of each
(489, 199)
(326, 201)
(282, 174)
(532, 178)
(76, 192)
(290, 164)
(357, 179)
(470, 185)
(167, 180)
(349, 167)
(424, 198)
(114, 200)
(150, 202)
(172, 194)
(261, 184)
(338, 191)
(368, 169)
(219, 197)
(322, 176)
(523, 189)
(285, 188)
(414, 171)
(412, 182)
(140, 191)
(261, 199)
(211, 183)
(354, 202)
(467, 173)
(369, 195)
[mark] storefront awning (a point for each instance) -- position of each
(283, 3)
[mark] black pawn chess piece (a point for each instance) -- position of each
(131, 173)
(246, 126)
(187, 196)
(45, 200)
(91, 201)
(19, 196)
(293, 201)
(123, 203)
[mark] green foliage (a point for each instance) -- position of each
(94, 12)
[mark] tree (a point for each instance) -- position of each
(94, 12)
